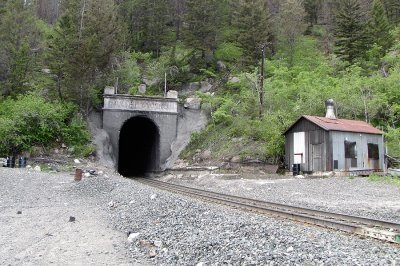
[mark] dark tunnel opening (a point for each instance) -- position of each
(138, 147)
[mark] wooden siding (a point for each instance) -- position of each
(314, 135)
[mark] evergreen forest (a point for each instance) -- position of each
(269, 62)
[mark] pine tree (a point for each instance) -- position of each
(61, 49)
(2, 6)
(48, 10)
(177, 13)
(252, 22)
(350, 31)
(378, 29)
(201, 24)
(81, 49)
(312, 8)
(20, 41)
(393, 10)
(291, 25)
(147, 23)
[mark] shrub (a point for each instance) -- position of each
(228, 52)
(223, 115)
(31, 121)
(393, 141)
(75, 133)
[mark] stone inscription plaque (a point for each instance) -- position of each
(140, 104)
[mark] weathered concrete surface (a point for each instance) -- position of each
(140, 103)
(189, 121)
(163, 112)
(101, 140)
(42, 234)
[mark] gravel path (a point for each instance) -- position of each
(356, 196)
(165, 229)
(35, 211)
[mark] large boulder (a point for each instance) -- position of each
(236, 159)
(193, 86)
(109, 90)
(205, 86)
(142, 88)
(234, 80)
(221, 66)
(205, 155)
(150, 82)
(193, 103)
(172, 94)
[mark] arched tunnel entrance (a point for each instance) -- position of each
(139, 144)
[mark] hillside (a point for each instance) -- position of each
(267, 62)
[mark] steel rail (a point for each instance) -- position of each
(340, 216)
(378, 229)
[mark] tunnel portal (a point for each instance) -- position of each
(139, 145)
(141, 131)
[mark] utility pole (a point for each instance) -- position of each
(165, 84)
(262, 82)
(261, 93)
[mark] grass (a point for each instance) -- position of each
(222, 144)
(384, 178)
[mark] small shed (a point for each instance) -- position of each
(319, 144)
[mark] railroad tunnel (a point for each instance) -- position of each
(139, 147)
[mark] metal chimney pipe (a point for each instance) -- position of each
(330, 109)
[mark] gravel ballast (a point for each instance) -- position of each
(165, 229)
(355, 196)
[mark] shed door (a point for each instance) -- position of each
(299, 147)
(317, 157)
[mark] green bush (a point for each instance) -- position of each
(223, 115)
(84, 150)
(75, 133)
(393, 141)
(31, 121)
(129, 72)
(228, 52)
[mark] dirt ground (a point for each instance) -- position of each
(36, 209)
(37, 228)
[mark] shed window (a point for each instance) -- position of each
(350, 150)
(335, 164)
(373, 151)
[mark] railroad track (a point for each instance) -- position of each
(378, 229)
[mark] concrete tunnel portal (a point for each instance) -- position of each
(141, 131)
(139, 147)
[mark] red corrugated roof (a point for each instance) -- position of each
(342, 125)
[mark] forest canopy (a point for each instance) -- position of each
(65, 52)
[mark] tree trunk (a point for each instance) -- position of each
(82, 19)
